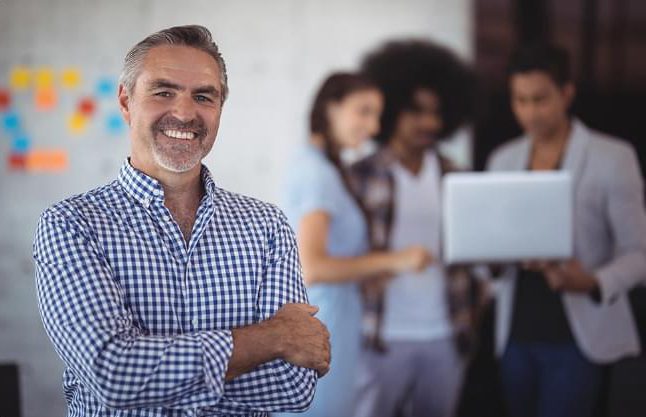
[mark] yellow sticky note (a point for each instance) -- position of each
(44, 77)
(70, 78)
(77, 123)
(20, 78)
(45, 98)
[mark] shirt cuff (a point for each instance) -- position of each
(217, 348)
(605, 282)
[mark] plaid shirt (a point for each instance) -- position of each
(372, 180)
(143, 320)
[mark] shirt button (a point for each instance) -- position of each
(166, 218)
(194, 322)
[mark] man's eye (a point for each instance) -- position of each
(163, 94)
(202, 98)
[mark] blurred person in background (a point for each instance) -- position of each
(419, 325)
(331, 228)
(557, 322)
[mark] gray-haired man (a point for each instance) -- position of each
(163, 294)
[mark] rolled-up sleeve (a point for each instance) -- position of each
(92, 330)
(277, 385)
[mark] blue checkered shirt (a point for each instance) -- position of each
(143, 320)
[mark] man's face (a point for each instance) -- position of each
(417, 128)
(539, 104)
(174, 110)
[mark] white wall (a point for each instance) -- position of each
(277, 52)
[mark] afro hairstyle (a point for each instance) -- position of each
(402, 67)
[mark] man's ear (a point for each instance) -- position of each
(124, 103)
(569, 92)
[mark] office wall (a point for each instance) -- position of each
(277, 52)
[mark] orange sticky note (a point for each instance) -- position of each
(77, 123)
(70, 78)
(20, 78)
(45, 98)
(44, 77)
(47, 161)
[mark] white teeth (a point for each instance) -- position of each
(176, 134)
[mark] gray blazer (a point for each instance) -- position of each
(609, 239)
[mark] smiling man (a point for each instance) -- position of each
(163, 294)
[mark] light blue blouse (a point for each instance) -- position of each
(312, 184)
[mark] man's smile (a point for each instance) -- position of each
(179, 134)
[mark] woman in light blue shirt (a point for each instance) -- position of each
(331, 229)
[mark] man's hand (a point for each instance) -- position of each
(302, 339)
(565, 276)
(293, 334)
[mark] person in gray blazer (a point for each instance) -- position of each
(558, 322)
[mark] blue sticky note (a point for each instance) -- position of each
(106, 88)
(10, 122)
(20, 144)
(114, 123)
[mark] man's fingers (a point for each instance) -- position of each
(554, 279)
(307, 308)
(323, 368)
(311, 310)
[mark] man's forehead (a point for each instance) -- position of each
(532, 79)
(181, 64)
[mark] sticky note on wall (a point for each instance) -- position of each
(46, 160)
(44, 78)
(5, 99)
(86, 106)
(45, 98)
(70, 78)
(77, 123)
(20, 78)
(20, 144)
(114, 123)
(106, 88)
(17, 162)
(10, 122)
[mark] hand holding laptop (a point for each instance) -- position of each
(564, 276)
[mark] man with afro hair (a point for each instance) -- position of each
(418, 327)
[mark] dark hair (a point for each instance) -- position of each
(402, 67)
(335, 88)
(550, 59)
(195, 36)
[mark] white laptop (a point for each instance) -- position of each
(507, 216)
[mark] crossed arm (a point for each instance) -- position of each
(93, 331)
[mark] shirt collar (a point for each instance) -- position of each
(145, 189)
(429, 162)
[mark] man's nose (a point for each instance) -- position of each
(184, 108)
(431, 122)
(529, 111)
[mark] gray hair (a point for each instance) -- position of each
(194, 36)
